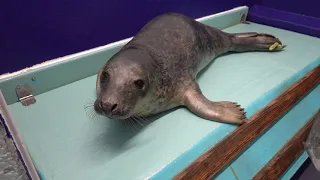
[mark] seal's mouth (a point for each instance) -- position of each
(116, 117)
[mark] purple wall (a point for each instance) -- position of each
(34, 31)
(306, 7)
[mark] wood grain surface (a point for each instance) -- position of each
(209, 164)
(287, 155)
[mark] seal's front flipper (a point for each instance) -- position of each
(224, 111)
(252, 41)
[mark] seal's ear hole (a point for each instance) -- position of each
(139, 83)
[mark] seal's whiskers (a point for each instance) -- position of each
(137, 121)
(89, 109)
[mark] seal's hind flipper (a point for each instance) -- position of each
(223, 111)
(252, 41)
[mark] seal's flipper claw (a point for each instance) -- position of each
(223, 111)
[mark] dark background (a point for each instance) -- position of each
(34, 31)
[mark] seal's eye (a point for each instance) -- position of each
(139, 83)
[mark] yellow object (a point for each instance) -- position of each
(273, 46)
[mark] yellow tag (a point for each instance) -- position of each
(276, 44)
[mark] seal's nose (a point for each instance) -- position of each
(108, 107)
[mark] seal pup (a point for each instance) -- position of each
(156, 70)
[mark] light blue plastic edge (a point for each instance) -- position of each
(206, 143)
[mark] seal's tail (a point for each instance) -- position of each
(252, 41)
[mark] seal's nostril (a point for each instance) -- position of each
(113, 107)
(100, 105)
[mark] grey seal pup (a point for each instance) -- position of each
(156, 70)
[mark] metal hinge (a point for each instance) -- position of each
(24, 93)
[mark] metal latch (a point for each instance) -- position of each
(24, 93)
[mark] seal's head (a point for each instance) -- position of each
(121, 86)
